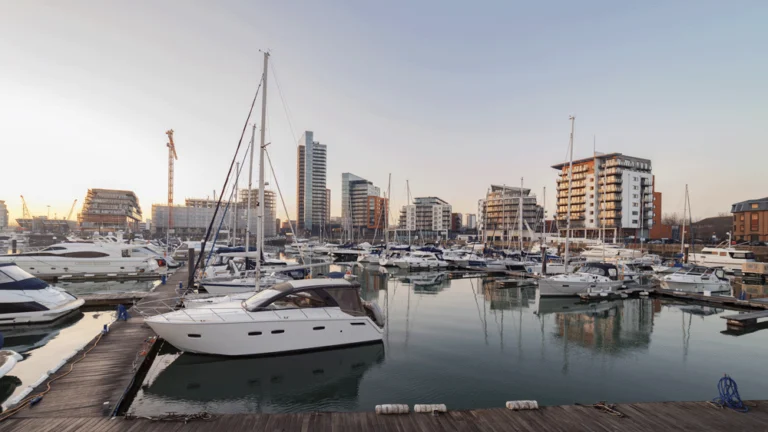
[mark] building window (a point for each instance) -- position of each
(742, 228)
(635, 195)
(755, 222)
(591, 188)
(755, 205)
(591, 212)
(591, 221)
(591, 195)
(634, 204)
(634, 221)
(634, 213)
(635, 187)
(741, 218)
(634, 178)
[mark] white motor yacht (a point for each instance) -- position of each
(697, 279)
(292, 316)
(389, 258)
(590, 278)
(609, 252)
(27, 299)
(464, 258)
(728, 258)
(420, 260)
(83, 258)
(242, 284)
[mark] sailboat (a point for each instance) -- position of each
(287, 317)
(594, 279)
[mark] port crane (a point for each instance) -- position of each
(25, 210)
(71, 210)
(171, 158)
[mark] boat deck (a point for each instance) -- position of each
(698, 416)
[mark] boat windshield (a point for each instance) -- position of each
(593, 270)
(260, 297)
(13, 273)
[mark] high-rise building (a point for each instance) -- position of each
(3, 214)
(471, 221)
(456, 221)
(426, 214)
(327, 205)
(376, 213)
(110, 210)
(355, 204)
(611, 191)
(499, 212)
(311, 193)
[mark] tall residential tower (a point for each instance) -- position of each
(311, 194)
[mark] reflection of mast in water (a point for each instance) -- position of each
(686, 335)
(407, 317)
(483, 322)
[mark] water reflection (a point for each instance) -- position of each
(102, 287)
(27, 337)
(469, 344)
(327, 380)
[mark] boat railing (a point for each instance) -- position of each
(158, 308)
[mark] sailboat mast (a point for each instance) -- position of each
(260, 232)
(408, 197)
(250, 185)
(386, 219)
(570, 190)
(682, 231)
(520, 219)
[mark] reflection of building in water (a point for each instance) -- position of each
(507, 298)
(427, 282)
(615, 326)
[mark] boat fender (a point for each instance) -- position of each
(522, 405)
(378, 316)
(644, 293)
(430, 408)
(35, 401)
(392, 409)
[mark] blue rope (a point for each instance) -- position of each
(729, 395)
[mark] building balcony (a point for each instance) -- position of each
(613, 180)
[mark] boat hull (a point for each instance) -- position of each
(267, 337)
(696, 287)
(556, 288)
(42, 316)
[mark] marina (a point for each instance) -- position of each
(412, 219)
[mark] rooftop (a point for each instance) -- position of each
(600, 156)
(762, 204)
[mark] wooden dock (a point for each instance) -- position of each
(112, 299)
(103, 371)
(662, 416)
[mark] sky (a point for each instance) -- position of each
(449, 96)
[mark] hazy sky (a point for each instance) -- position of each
(450, 95)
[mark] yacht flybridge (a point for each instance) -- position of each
(292, 316)
(83, 258)
(27, 299)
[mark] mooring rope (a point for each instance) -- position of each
(729, 395)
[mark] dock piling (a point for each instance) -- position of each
(190, 268)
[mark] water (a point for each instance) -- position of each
(44, 346)
(470, 345)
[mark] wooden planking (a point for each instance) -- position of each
(112, 299)
(699, 416)
(106, 371)
(746, 316)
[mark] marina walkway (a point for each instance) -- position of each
(663, 416)
(106, 372)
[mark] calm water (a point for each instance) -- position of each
(44, 346)
(471, 345)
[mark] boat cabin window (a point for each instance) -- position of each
(85, 254)
(742, 255)
(723, 253)
(53, 248)
(126, 253)
(720, 273)
(697, 270)
(314, 298)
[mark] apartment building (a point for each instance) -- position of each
(499, 213)
(750, 220)
(428, 214)
(611, 191)
(311, 192)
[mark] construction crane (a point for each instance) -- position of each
(69, 216)
(171, 157)
(25, 210)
